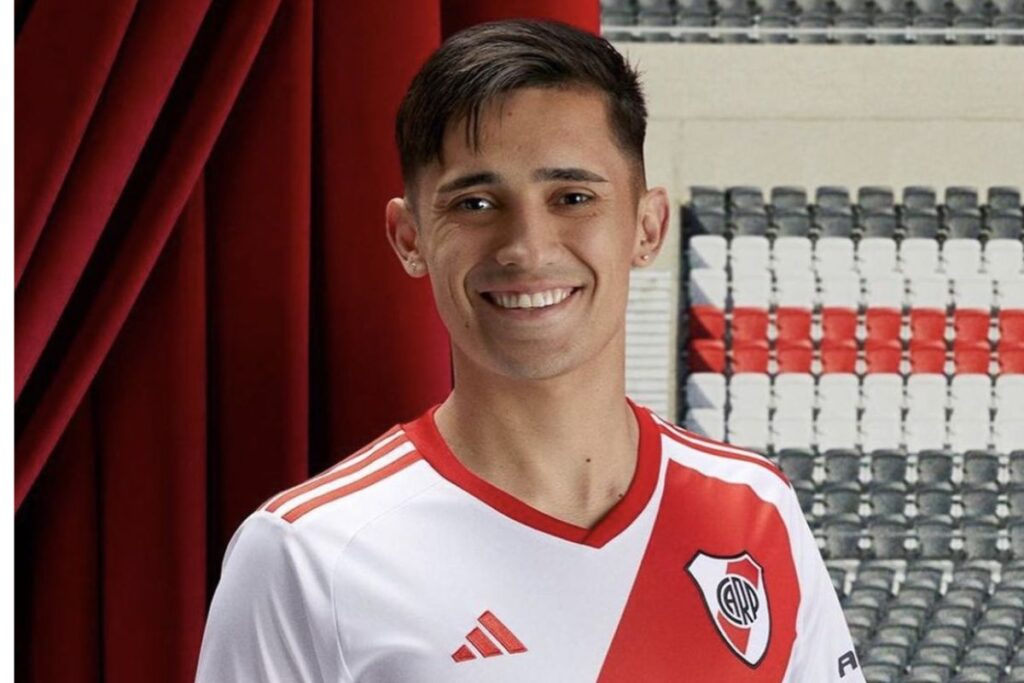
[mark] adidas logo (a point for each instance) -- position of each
(482, 642)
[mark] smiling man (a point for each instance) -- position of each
(537, 525)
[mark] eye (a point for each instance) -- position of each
(574, 198)
(474, 204)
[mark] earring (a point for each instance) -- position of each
(645, 257)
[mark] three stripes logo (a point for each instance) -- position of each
(483, 640)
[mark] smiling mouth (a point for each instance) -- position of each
(530, 301)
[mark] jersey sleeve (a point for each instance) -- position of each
(272, 615)
(824, 649)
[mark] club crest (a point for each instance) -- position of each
(734, 595)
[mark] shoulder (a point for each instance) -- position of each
(721, 460)
(379, 477)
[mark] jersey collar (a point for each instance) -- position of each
(431, 445)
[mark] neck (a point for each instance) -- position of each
(565, 445)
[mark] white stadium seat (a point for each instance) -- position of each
(793, 394)
(1011, 292)
(882, 393)
(961, 257)
(838, 393)
(752, 289)
(926, 394)
(791, 254)
(833, 255)
(876, 256)
(885, 291)
(919, 256)
(708, 287)
(1009, 391)
(749, 431)
(928, 291)
(840, 289)
(795, 289)
(974, 291)
(970, 431)
(836, 431)
(970, 392)
(707, 421)
(921, 432)
(705, 390)
(1008, 434)
(791, 431)
(708, 251)
(880, 431)
(748, 253)
(750, 393)
(1004, 257)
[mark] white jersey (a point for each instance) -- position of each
(401, 565)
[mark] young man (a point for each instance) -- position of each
(537, 525)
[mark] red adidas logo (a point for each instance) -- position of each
(484, 645)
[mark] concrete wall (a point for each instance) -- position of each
(828, 114)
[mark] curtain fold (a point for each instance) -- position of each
(207, 310)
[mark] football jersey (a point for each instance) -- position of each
(400, 564)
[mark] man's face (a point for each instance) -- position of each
(529, 239)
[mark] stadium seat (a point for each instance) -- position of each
(1005, 225)
(1009, 391)
(919, 197)
(973, 292)
(961, 257)
(709, 221)
(789, 197)
(749, 253)
(981, 466)
(883, 355)
(934, 498)
(922, 432)
(877, 197)
(971, 355)
(709, 422)
(1005, 198)
(795, 289)
(706, 355)
(888, 465)
(1007, 432)
(970, 392)
(920, 223)
(791, 254)
(919, 256)
(707, 287)
(838, 356)
(791, 222)
(796, 463)
(750, 393)
(745, 198)
(1004, 257)
(794, 355)
(935, 536)
(1011, 325)
(888, 534)
(961, 198)
(1011, 357)
(706, 322)
(751, 289)
(705, 390)
(792, 432)
(749, 222)
(885, 291)
(708, 251)
(876, 256)
(927, 356)
(838, 394)
(833, 223)
(877, 224)
(750, 356)
(749, 431)
(927, 324)
(836, 431)
(963, 224)
(842, 536)
(792, 323)
(969, 431)
(841, 323)
(704, 197)
(834, 255)
(981, 533)
(793, 394)
(749, 324)
(926, 393)
(880, 431)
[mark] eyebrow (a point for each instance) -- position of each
(540, 175)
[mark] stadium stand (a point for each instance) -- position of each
(930, 22)
(881, 364)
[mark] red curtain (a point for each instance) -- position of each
(207, 310)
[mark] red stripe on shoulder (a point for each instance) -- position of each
(358, 485)
(344, 468)
(711, 447)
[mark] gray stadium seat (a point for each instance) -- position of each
(934, 535)
(857, 23)
(895, 22)
(888, 533)
(888, 465)
(875, 198)
(980, 536)
(805, 494)
(919, 197)
(920, 223)
(980, 498)
(813, 20)
(749, 222)
(888, 497)
(842, 535)
(842, 498)
(934, 466)
(935, 498)
(1004, 198)
(745, 197)
(841, 465)
(791, 222)
(878, 224)
(931, 21)
(1017, 466)
(963, 223)
(1012, 22)
(789, 197)
(970, 22)
(833, 197)
(703, 197)
(961, 198)
(796, 463)
(777, 20)
(981, 466)
(1004, 225)
(704, 221)
(833, 223)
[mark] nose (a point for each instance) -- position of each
(527, 240)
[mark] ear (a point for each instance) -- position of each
(651, 226)
(403, 236)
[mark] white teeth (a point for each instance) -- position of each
(536, 300)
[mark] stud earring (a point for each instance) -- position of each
(645, 257)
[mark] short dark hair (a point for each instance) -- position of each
(484, 62)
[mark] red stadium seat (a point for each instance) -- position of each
(794, 355)
(750, 355)
(927, 356)
(707, 322)
(927, 324)
(1011, 326)
(971, 324)
(707, 355)
(838, 355)
(1011, 358)
(883, 355)
(883, 323)
(838, 323)
(971, 356)
(749, 324)
(793, 323)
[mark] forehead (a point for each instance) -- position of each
(535, 127)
